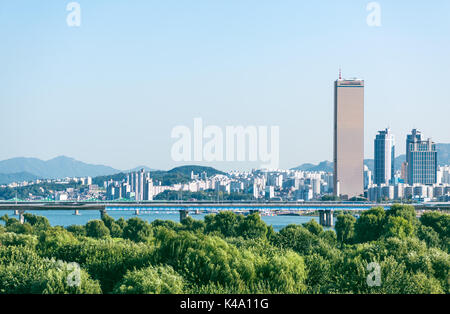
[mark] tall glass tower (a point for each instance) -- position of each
(384, 145)
(421, 159)
(348, 137)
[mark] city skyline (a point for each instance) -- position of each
(111, 90)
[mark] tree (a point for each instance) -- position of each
(428, 235)
(137, 230)
(226, 222)
(284, 272)
(399, 227)
(19, 228)
(53, 239)
(37, 222)
(313, 227)
(151, 280)
(203, 259)
(114, 228)
(298, 239)
(77, 230)
(345, 228)
(97, 229)
(439, 222)
(370, 225)
(24, 272)
(192, 224)
(407, 212)
(252, 227)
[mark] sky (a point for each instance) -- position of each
(112, 90)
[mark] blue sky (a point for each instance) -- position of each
(111, 90)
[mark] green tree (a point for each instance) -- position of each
(407, 212)
(115, 229)
(22, 271)
(97, 229)
(313, 227)
(284, 272)
(137, 230)
(440, 223)
(397, 226)
(77, 230)
(151, 280)
(252, 227)
(38, 223)
(226, 222)
(345, 228)
(370, 225)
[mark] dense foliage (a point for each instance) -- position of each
(228, 253)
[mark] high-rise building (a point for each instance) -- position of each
(348, 137)
(367, 177)
(384, 157)
(421, 159)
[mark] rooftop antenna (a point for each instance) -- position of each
(340, 74)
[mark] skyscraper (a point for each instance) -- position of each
(348, 137)
(384, 157)
(421, 159)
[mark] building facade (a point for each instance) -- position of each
(348, 138)
(421, 159)
(384, 148)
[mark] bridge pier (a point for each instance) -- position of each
(16, 212)
(322, 217)
(76, 213)
(326, 218)
(184, 214)
(21, 217)
(330, 218)
(102, 212)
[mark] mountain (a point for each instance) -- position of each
(326, 166)
(59, 167)
(7, 178)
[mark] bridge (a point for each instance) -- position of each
(325, 209)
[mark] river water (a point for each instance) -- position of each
(66, 217)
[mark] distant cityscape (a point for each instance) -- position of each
(420, 179)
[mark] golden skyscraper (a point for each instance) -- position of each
(348, 137)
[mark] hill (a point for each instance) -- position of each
(175, 175)
(182, 174)
(186, 170)
(7, 178)
(326, 166)
(59, 167)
